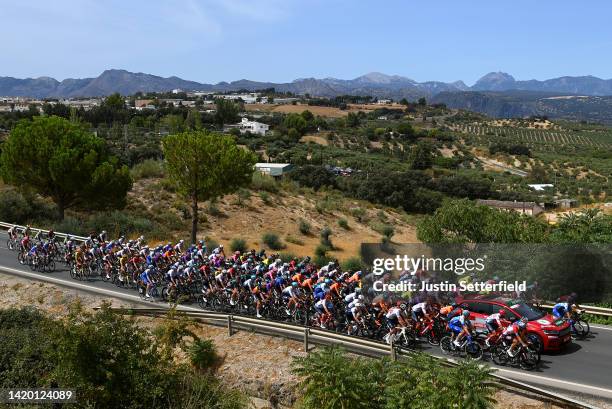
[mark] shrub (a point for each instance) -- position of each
(325, 237)
(213, 209)
(287, 256)
(343, 223)
(264, 183)
(352, 264)
(388, 231)
(242, 196)
(321, 250)
(294, 240)
(148, 169)
(358, 213)
(203, 356)
(265, 197)
(304, 227)
(238, 245)
(210, 243)
(272, 241)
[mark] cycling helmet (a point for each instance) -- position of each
(403, 306)
(327, 281)
(358, 290)
(294, 284)
(466, 313)
(502, 313)
(522, 324)
(253, 277)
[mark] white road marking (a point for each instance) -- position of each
(546, 378)
(599, 327)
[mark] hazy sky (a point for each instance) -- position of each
(281, 40)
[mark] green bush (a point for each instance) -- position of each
(352, 264)
(203, 356)
(272, 241)
(294, 240)
(264, 182)
(304, 227)
(19, 209)
(265, 197)
(358, 213)
(238, 245)
(325, 237)
(38, 351)
(321, 250)
(343, 223)
(148, 169)
(210, 243)
(329, 378)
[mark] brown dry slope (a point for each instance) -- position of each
(280, 213)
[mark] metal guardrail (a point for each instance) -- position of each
(601, 311)
(356, 345)
(35, 230)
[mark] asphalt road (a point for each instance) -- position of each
(584, 367)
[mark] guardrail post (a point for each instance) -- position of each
(230, 318)
(393, 351)
(306, 334)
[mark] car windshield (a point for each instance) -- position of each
(525, 310)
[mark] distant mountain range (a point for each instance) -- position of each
(374, 83)
(497, 94)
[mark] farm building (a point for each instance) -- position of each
(566, 203)
(528, 208)
(253, 127)
(274, 169)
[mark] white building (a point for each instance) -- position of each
(383, 101)
(253, 127)
(273, 169)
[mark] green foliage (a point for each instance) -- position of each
(264, 182)
(358, 213)
(265, 198)
(326, 232)
(205, 166)
(421, 156)
(61, 160)
(203, 356)
(342, 222)
(148, 169)
(314, 176)
(272, 241)
(132, 370)
(462, 221)
(238, 245)
(297, 122)
(352, 264)
(587, 226)
(330, 379)
(19, 208)
(304, 227)
(226, 111)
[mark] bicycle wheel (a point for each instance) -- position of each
(445, 345)
(10, 245)
(499, 355)
(473, 350)
(529, 359)
(51, 266)
(581, 329)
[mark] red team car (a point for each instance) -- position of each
(550, 333)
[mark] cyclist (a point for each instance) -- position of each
(460, 326)
(293, 294)
(147, 280)
(562, 310)
(494, 325)
(517, 332)
(324, 309)
(396, 316)
(12, 233)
